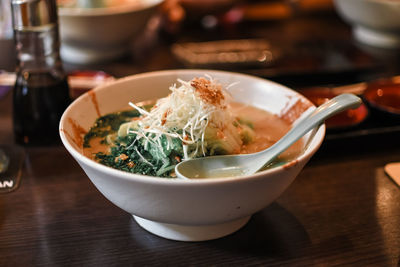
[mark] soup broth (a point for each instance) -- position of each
(268, 128)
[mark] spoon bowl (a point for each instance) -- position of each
(247, 164)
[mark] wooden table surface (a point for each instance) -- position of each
(341, 210)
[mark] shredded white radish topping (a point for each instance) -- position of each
(185, 114)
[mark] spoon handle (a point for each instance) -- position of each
(318, 116)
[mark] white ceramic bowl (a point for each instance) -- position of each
(188, 210)
(91, 35)
(375, 22)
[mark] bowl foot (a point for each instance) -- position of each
(376, 38)
(189, 232)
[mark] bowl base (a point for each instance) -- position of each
(376, 38)
(191, 233)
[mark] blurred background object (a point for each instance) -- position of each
(384, 95)
(375, 22)
(209, 12)
(81, 81)
(226, 53)
(4, 161)
(93, 35)
(281, 9)
(344, 120)
(5, 20)
(7, 58)
(196, 9)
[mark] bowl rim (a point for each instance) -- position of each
(175, 181)
(136, 5)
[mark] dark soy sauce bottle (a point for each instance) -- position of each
(41, 92)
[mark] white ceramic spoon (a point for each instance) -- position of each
(246, 164)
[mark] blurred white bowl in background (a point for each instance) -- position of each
(92, 35)
(375, 22)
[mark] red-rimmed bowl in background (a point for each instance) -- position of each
(384, 96)
(346, 119)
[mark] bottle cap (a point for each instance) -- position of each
(33, 13)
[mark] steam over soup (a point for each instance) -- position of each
(196, 119)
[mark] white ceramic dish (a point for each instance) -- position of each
(185, 210)
(91, 35)
(375, 22)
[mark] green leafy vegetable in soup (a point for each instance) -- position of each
(195, 120)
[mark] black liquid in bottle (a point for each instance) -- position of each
(39, 102)
(41, 92)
